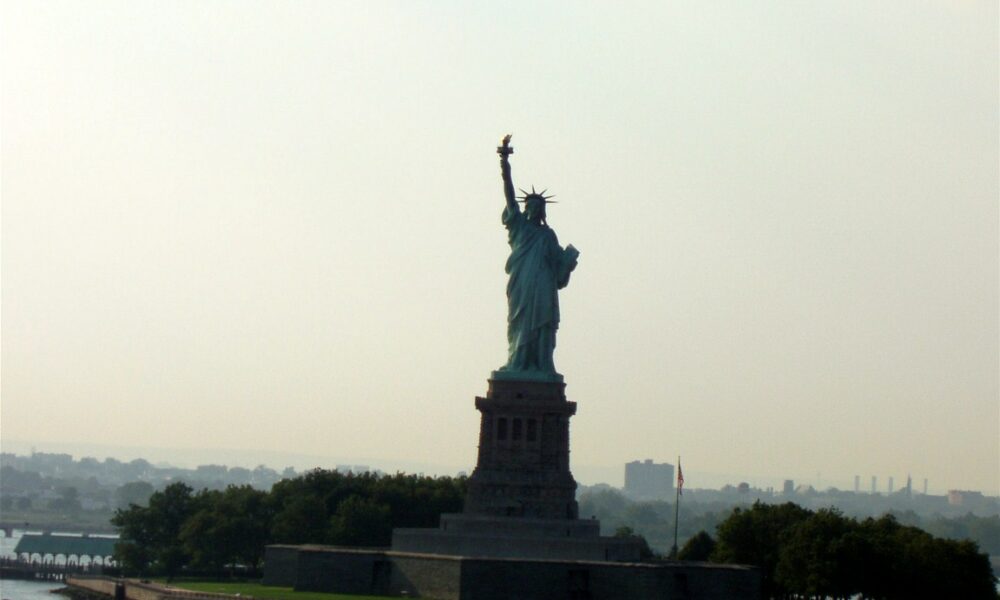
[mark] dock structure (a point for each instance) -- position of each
(11, 568)
(46, 548)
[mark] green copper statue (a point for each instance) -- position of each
(538, 266)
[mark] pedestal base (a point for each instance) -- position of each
(521, 499)
(523, 464)
(508, 537)
(450, 577)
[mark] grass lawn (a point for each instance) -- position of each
(263, 591)
(40, 519)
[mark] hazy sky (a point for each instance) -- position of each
(276, 226)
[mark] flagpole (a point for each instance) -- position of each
(677, 506)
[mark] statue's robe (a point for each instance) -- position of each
(537, 267)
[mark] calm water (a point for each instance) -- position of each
(13, 589)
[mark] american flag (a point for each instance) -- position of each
(680, 478)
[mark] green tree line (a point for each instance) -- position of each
(823, 554)
(801, 553)
(654, 520)
(212, 530)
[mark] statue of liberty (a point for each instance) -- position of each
(538, 267)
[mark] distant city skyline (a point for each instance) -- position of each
(276, 226)
(588, 475)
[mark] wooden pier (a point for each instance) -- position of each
(47, 571)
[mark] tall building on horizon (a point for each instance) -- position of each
(857, 484)
(874, 485)
(649, 480)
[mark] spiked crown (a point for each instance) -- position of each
(536, 195)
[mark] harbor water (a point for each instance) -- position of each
(16, 589)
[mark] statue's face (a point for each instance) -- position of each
(535, 209)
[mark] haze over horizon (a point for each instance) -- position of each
(276, 226)
(585, 474)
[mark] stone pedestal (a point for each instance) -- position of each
(523, 464)
(521, 499)
(518, 537)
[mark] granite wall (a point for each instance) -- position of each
(358, 571)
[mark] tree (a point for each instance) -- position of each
(361, 521)
(15, 480)
(754, 536)
(202, 537)
(68, 500)
(803, 554)
(301, 519)
(906, 562)
(150, 536)
(699, 547)
(89, 464)
(822, 555)
(416, 501)
(645, 552)
(135, 549)
(605, 504)
(171, 508)
(984, 530)
(643, 515)
(239, 476)
(134, 492)
(264, 477)
(138, 469)
(231, 527)
(214, 529)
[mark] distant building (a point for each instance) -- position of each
(964, 497)
(874, 485)
(805, 490)
(649, 480)
(789, 488)
(857, 484)
(890, 488)
(354, 469)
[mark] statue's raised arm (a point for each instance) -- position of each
(504, 150)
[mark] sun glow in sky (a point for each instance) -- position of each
(275, 226)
